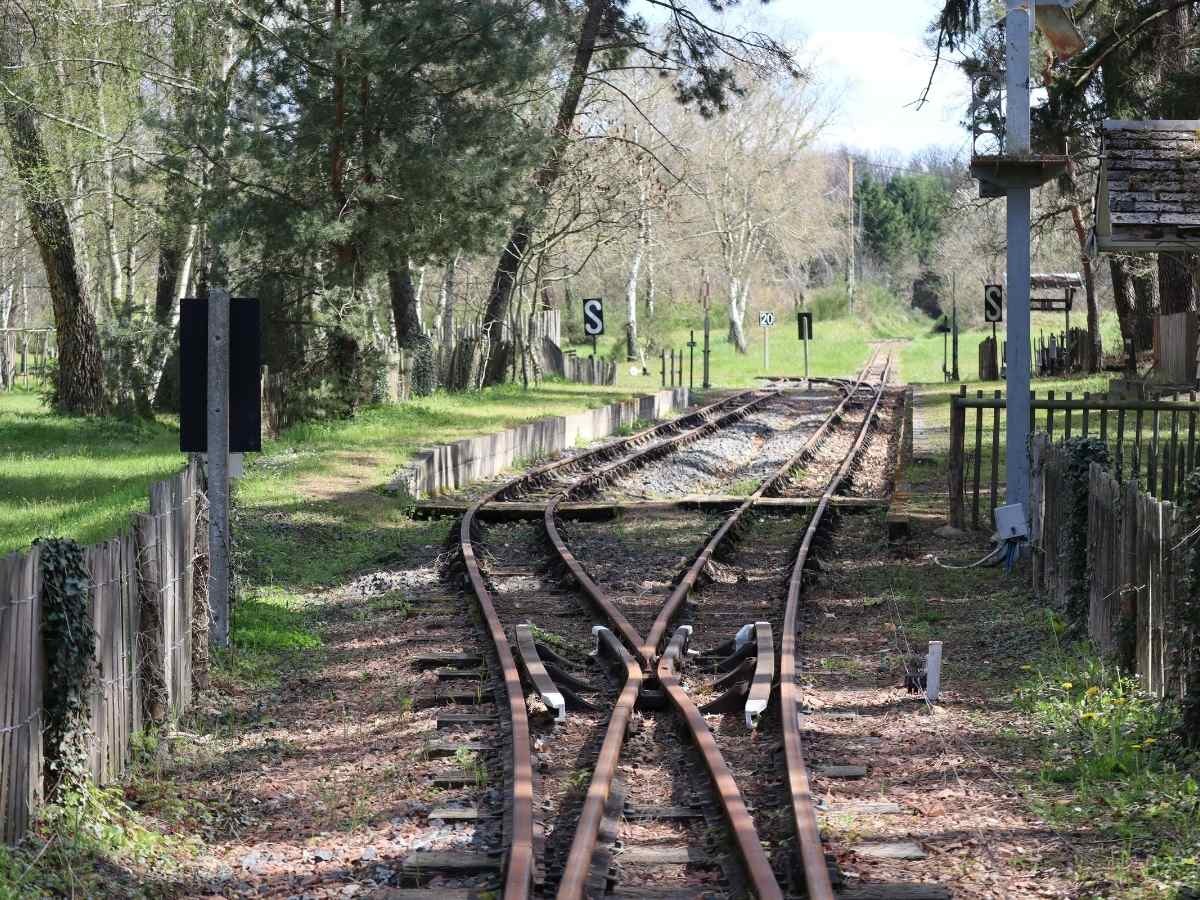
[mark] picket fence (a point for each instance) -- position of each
(142, 597)
(1136, 566)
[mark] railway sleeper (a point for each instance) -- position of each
(421, 866)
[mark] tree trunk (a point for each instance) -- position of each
(1123, 300)
(1146, 304)
(405, 317)
(500, 295)
(649, 284)
(739, 292)
(80, 385)
(1177, 282)
(631, 303)
(443, 324)
(1091, 360)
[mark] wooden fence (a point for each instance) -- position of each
(1135, 568)
(1153, 442)
(141, 600)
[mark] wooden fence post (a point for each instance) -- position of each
(958, 427)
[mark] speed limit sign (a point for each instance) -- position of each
(766, 319)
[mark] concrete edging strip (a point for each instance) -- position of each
(448, 467)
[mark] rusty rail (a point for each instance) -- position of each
(593, 591)
(757, 865)
(808, 833)
(520, 864)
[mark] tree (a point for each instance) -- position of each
(884, 229)
(346, 168)
(757, 184)
(79, 387)
(694, 53)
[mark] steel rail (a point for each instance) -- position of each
(686, 584)
(586, 583)
(758, 867)
(518, 878)
(579, 860)
(808, 834)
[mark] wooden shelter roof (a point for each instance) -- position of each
(1044, 281)
(1148, 194)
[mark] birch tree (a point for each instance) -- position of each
(756, 181)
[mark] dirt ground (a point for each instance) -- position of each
(315, 782)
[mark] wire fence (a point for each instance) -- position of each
(141, 598)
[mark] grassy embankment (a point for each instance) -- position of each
(83, 478)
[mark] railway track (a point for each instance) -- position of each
(636, 757)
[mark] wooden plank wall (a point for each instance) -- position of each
(116, 696)
(21, 668)
(1135, 567)
(140, 600)
(1175, 347)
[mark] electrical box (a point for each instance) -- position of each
(1010, 522)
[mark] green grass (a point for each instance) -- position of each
(74, 477)
(83, 478)
(839, 347)
(1113, 765)
(82, 843)
(385, 437)
(272, 619)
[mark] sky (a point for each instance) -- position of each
(873, 53)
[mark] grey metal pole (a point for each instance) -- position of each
(806, 379)
(954, 340)
(1016, 128)
(218, 465)
(766, 361)
(707, 383)
(692, 360)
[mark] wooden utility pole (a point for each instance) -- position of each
(218, 464)
(850, 232)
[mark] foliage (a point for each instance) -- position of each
(86, 836)
(1114, 764)
(69, 643)
(337, 377)
(1080, 454)
(352, 163)
(1186, 615)
(906, 214)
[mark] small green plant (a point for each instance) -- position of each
(579, 779)
(744, 488)
(84, 836)
(1114, 762)
(404, 702)
(472, 763)
(550, 639)
(633, 427)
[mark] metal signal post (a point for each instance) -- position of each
(706, 384)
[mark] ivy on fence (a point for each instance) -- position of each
(1080, 454)
(1187, 612)
(69, 644)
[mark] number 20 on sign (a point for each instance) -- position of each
(766, 319)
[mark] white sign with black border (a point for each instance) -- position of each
(593, 316)
(993, 303)
(766, 319)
